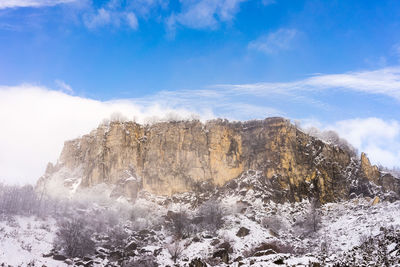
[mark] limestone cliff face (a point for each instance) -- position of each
(171, 157)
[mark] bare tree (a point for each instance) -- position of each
(180, 220)
(211, 214)
(333, 138)
(74, 238)
(117, 117)
(310, 222)
(314, 216)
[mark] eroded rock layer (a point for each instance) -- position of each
(171, 157)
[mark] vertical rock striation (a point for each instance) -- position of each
(171, 157)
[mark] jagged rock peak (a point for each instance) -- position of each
(171, 157)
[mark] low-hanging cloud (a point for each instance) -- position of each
(36, 121)
(379, 138)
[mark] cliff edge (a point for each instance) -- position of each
(173, 157)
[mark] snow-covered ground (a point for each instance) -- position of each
(342, 226)
(24, 240)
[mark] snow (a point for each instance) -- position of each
(345, 223)
(343, 227)
(25, 239)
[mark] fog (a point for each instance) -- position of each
(36, 122)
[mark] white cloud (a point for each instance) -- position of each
(36, 122)
(202, 14)
(101, 18)
(104, 17)
(196, 14)
(274, 42)
(132, 20)
(223, 103)
(64, 87)
(32, 3)
(379, 138)
(384, 81)
(396, 50)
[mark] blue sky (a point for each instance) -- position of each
(104, 57)
(330, 64)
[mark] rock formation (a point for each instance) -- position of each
(172, 157)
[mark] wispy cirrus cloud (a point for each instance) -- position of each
(274, 42)
(226, 98)
(64, 87)
(51, 116)
(221, 103)
(384, 81)
(32, 3)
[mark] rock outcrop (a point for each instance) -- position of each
(171, 157)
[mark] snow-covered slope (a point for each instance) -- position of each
(24, 240)
(254, 231)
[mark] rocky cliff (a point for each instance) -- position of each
(171, 157)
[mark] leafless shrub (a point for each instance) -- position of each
(333, 138)
(364, 238)
(26, 246)
(18, 200)
(325, 247)
(45, 226)
(118, 117)
(117, 236)
(175, 250)
(173, 117)
(211, 215)
(151, 120)
(181, 224)
(74, 238)
(273, 223)
(12, 222)
(143, 261)
(309, 224)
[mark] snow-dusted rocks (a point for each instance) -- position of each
(179, 156)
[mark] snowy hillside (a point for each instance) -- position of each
(219, 227)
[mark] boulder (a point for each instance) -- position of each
(264, 253)
(197, 263)
(243, 231)
(375, 201)
(59, 257)
(222, 254)
(131, 246)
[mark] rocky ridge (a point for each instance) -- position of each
(180, 156)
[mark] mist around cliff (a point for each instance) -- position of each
(38, 120)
